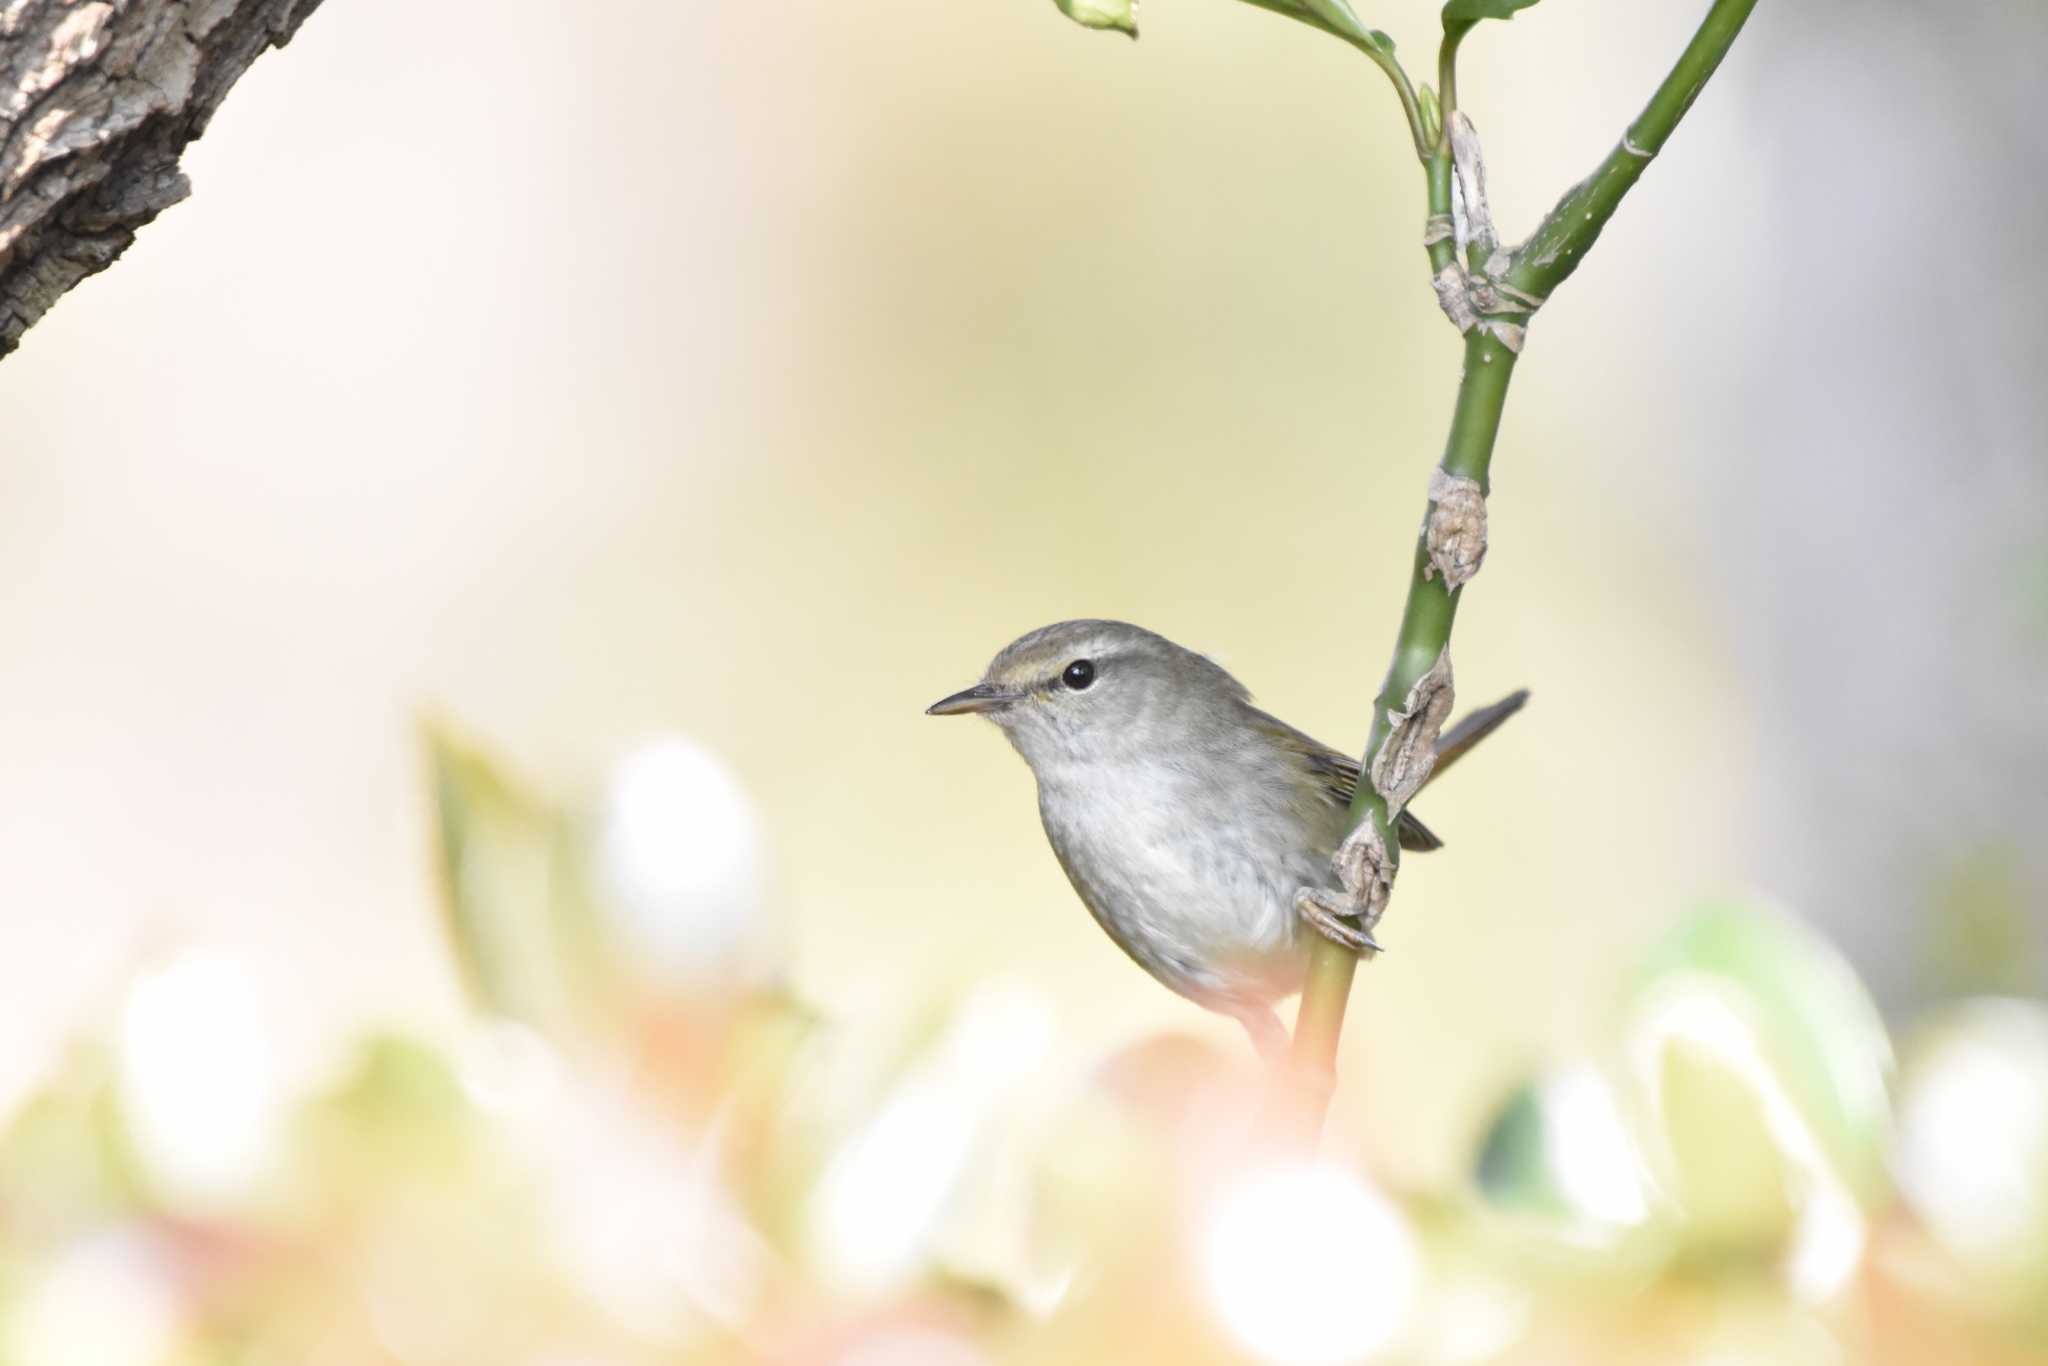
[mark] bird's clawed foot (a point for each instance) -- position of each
(1366, 875)
(1331, 915)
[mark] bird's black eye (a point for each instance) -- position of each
(1079, 674)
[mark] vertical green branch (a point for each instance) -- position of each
(1532, 271)
(1490, 295)
(1425, 631)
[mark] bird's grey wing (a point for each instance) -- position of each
(1414, 835)
(1336, 778)
(1338, 773)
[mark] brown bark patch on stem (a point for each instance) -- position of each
(1455, 534)
(1455, 297)
(1403, 763)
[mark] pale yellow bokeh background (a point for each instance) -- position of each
(581, 373)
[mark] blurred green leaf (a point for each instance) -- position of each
(1980, 927)
(1120, 15)
(400, 1110)
(1728, 1168)
(1331, 16)
(1465, 13)
(1815, 1027)
(1336, 17)
(63, 1161)
(1565, 1194)
(764, 1051)
(1514, 1161)
(1561, 1147)
(512, 889)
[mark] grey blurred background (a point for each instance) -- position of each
(577, 377)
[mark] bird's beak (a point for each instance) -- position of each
(980, 697)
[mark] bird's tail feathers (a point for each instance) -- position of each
(1451, 746)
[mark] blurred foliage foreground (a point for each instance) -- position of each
(646, 1151)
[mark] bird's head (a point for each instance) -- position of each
(1094, 691)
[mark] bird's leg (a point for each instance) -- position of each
(1268, 1035)
(1363, 870)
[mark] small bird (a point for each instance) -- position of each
(1185, 817)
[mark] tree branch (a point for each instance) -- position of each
(97, 103)
(1492, 346)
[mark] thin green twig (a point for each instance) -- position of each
(1335, 17)
(1447, 70)
(1557, 246)
(1549, 257)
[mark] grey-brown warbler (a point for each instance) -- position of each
(1186, 818)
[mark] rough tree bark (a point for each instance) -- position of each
(98, 99)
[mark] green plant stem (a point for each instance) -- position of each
(1447, 67)
(1403, 87)
(1549, 257)
(1425, 631)
(1439, 172)
(1560, 243)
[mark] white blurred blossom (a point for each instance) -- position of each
(1972, 1153)
(1308, 1266)
(198, 1085)
(678, 864)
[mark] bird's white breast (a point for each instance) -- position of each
(1194, 878)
